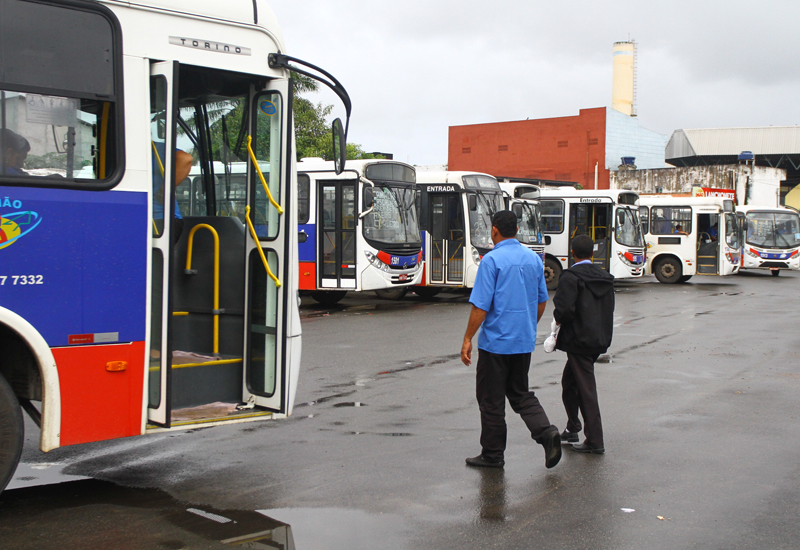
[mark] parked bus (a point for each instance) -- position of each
(689, 236)
(120, 315)
(770, 238)
(359, 229)
(455, 213)
(609, 217)
(522, 199)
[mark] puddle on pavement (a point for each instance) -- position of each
(98, 514)
(350, 404)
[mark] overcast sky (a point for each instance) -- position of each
(415, 67)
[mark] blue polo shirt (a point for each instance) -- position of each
(509, 287)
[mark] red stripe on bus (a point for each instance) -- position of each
(97, 404)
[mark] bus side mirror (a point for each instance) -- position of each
(369, 199)
(547, 239)
(517, 209)
(339, 146)
(473, 202)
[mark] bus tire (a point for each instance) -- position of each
(391, 293)
(775, 272)
(328, 297)
(12, 432)
(684, 278)
(426, 292)
(552, 272)
(668, 271)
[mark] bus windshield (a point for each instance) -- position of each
(393, 219)
(480, 219)
(731, 231)
(773, 229)
(529, 230)
(629, 229)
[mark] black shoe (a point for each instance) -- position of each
(480, 462)
(584, 448)
(569, 437)
(551, 442)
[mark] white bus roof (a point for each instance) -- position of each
(316, 164)
(765, 208)
(664, 200)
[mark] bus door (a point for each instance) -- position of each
(594, 220)
(336, 223)
(708, 248)
(447, 238)
(163, 78)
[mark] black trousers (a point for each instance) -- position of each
(498, 377)
(579, 392)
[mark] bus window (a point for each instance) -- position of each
(731, 231)
(303, 198)
(58, 95)
(267, 148)
(644, 216)
(552, 213)
(664, 220)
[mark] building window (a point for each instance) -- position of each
(466, 150)
(592, 141)
(502, 147)
(563, 143)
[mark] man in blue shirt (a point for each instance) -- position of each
(508, 300)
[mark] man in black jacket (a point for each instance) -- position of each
(584, 307)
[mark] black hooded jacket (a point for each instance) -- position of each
(584, 307)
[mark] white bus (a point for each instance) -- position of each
(522, 199)
(770, 238)
(455, 212)
(359, 229)
(689, 236)
(120, 315)
(609, 217)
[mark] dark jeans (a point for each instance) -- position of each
(579, 392)
(498, 377)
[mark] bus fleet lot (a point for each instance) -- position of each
(698, 401)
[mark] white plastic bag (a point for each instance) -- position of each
(549, 344)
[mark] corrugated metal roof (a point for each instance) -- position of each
(766, 140)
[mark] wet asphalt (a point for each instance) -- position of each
(699, 404)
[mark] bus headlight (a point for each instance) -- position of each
(628, 259)
(476, 256)
(373, 259)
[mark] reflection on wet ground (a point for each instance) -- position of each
(124, 518)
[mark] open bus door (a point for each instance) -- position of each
(596, 221)
(163, 80)
(709, 233)
(447, 238)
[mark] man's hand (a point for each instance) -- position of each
(476, 317)
(466, 352)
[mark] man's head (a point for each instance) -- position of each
(582, 248)
(16, 148)
(504, 225)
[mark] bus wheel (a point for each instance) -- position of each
(328, 297)
(11, 433)
(668, 271)
(391, 293)
(775, 272)
(426, 292)
(684, 278)
(552, 273)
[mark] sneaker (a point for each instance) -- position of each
(569, 437)
(480, 462)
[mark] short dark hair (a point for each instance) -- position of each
(582, 247)
(15, 142)
(506, 223)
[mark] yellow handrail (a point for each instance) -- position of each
(261, 175)
(258, 246)
(216, 274)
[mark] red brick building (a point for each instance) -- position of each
(563, 148)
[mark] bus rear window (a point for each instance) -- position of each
(60, 110)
